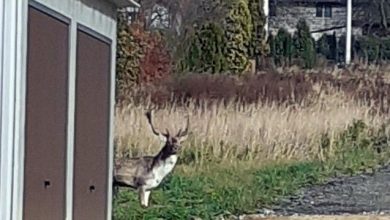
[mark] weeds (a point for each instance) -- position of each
(243, 155)
(364, 85)
(253, 132)
(220, 189)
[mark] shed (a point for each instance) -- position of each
(57, 79)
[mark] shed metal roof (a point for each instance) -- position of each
(125, 3)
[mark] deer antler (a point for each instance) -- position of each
(185, 132)
(149, 117)
(155, 131)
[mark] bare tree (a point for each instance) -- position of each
(176, 16)
(383, 7)
(372, 14)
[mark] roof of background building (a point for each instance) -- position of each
(125, 3)
(343, 2)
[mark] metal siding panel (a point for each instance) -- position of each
(7, 82)
(91, 127)
(46, 117)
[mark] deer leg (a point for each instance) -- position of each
(141, 194)
(144, 197)
(115, 191)
(147, 195)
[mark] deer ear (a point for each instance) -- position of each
(163, 137)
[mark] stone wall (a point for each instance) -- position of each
(287, 16)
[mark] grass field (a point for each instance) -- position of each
(241, 157)
(319, 217)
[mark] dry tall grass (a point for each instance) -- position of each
(255, 132)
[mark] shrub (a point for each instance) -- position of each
(156, 62)
(282, 47)
(369, 48)
(258, 46)
(128, 54)
(238, 31)
(386, 49)
(280, 89)
(373, 49)
(304, 44)
(327, 46)
(206, 52)
(222, 46)
(141, 57)
(203, 88)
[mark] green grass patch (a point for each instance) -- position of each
(212, 193)
(222, 189)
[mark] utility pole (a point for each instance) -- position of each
(349, 33)
(266, 13)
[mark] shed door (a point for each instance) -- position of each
(92, 127)
(46, 117)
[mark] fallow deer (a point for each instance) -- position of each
(147, 172)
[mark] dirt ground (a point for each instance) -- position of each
(359, 197)
(365, 193)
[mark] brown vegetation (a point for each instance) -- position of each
(263, 117)
(372, 89)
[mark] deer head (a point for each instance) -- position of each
(171, 143)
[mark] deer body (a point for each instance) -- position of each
(161, 171)
(146, 173)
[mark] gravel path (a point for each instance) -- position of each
(319, 217)
(365, 193)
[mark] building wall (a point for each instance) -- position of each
(97, 15)
(11, 68)
(287, 16)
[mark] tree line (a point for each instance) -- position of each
(166, 37)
